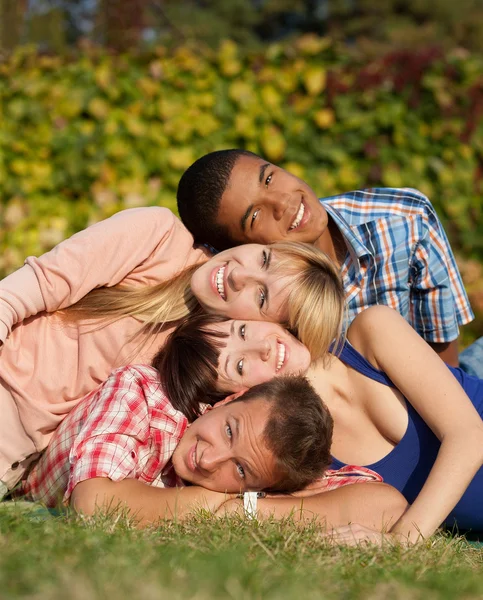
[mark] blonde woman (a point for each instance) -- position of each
(110, 294)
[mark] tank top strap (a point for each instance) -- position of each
(354, 359)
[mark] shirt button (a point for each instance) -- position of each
(15, 466)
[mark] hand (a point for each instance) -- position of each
(355, 534)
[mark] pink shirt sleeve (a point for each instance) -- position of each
(135, 245)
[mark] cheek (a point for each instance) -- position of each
(260, 374)
(222, 479)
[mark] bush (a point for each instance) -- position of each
(84, 137)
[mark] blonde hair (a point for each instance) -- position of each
(154, 306)
(315, 302)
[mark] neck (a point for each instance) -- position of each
(330, 379)
(332, 243)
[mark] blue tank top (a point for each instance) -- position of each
(407, 466)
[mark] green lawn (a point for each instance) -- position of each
(66, 558)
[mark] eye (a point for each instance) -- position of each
(229, 432)
(268, 179)
(239, 367)
(241, 331)
(254, 216)
(241, 471)
(264, 258)
(262, 298)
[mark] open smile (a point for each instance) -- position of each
(281, 355)
(298, 217)
(219, 281)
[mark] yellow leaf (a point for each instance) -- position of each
(271, 98)
(206, 124)
(324, 118)
(230, 67)
(98, 108)
(287, 81)
(103, 76)
(245, 126)
(227, 49)
(180, 158)
(302, 104)
(148, 87)
(295, 168)
(135, 127)
(312, 44)
(242, 93)
(273, 143)
(314, 79)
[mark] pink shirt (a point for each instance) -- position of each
(47, 366)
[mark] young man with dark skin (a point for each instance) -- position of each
(389, 243)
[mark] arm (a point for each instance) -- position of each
(431, 388)
(374, 505)
(101, 255)
(439, 303)
(448, 352)
(143, 503)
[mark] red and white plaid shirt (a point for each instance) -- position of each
(125, 429)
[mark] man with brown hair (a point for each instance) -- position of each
(125, 447)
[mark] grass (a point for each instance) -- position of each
(206, 559)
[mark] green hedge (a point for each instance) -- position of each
(85, 136)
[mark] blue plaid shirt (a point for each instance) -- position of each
(399, 256)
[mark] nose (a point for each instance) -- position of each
(213, 457)
(278, 201)
(262, 349)
(238, 278)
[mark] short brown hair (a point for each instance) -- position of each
(298, 431)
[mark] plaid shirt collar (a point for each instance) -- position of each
(359, 255)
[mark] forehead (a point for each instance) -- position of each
(240, 193)
(254, 415)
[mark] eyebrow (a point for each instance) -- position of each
(246, 466)
(244, 219)
(261, 173)
(232, 332)
(266, 306)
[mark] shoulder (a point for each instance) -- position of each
(147, 214)
(371, 318)
(132, 382)
(369, 326)
(395, 200)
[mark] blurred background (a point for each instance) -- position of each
(104, 103)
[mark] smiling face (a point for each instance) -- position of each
(224, 450)
(257, 351)
(242, 282)
(263, 203)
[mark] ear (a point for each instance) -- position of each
(230, 398)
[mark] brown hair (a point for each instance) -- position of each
(298, 431)
(188, 364)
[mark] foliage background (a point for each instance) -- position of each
(96, 118)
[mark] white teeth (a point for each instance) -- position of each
(299, 216)
(220, 284)
(281, 356)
